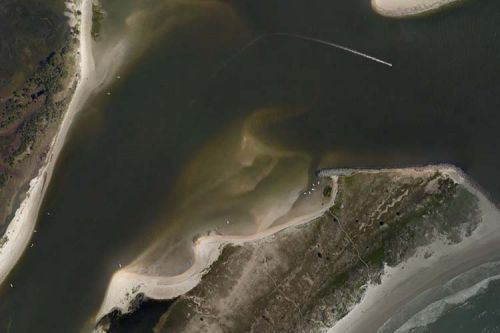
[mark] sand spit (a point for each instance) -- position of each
(399, 284)
(410, 278)
(125, 285)
(20, 229)
(22, 226)
(405, 8)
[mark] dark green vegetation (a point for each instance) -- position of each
(97, 17)
(327, 191)
(304, 279)
(36, 105)
(434, 105)
(418, 210)
(30, 30)
(4, 239)
(36, 71)
(142, 320)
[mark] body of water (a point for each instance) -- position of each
(137, 156)
(480, 313)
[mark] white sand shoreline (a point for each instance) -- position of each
(207, 249)
(22, 226)
(406, 8)
(408, 279)
(395, 289)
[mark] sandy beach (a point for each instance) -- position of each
(126, 284)
(22, 226)
(399, 284)
(404, 8)
(403, 282)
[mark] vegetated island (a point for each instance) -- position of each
(406, 8)
(34, 121)
(38, 73)
(383, 235)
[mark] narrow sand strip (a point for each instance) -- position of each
(403, 282)
(125, 284)
(21, 227)
(405, 8)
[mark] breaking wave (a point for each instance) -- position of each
(432, 304)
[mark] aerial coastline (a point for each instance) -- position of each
(430, 266)
(384, 223)
(22, 226)
(202, 166)
(127, 286)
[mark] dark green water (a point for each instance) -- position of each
(478, 314)
(466, 303)
(438, 103)
(109, 187)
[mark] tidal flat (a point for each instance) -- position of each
(210, 120)
(408, 232)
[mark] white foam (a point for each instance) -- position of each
(434, 295)
(403, 282)
(435, 310)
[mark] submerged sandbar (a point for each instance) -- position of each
(378, 228)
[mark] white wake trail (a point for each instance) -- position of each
(338, 46)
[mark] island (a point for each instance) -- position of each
(34, 123)
(373, 232)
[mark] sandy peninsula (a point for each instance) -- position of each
(405, 8)
(125, 284)
(389, 241)
(22, 226)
